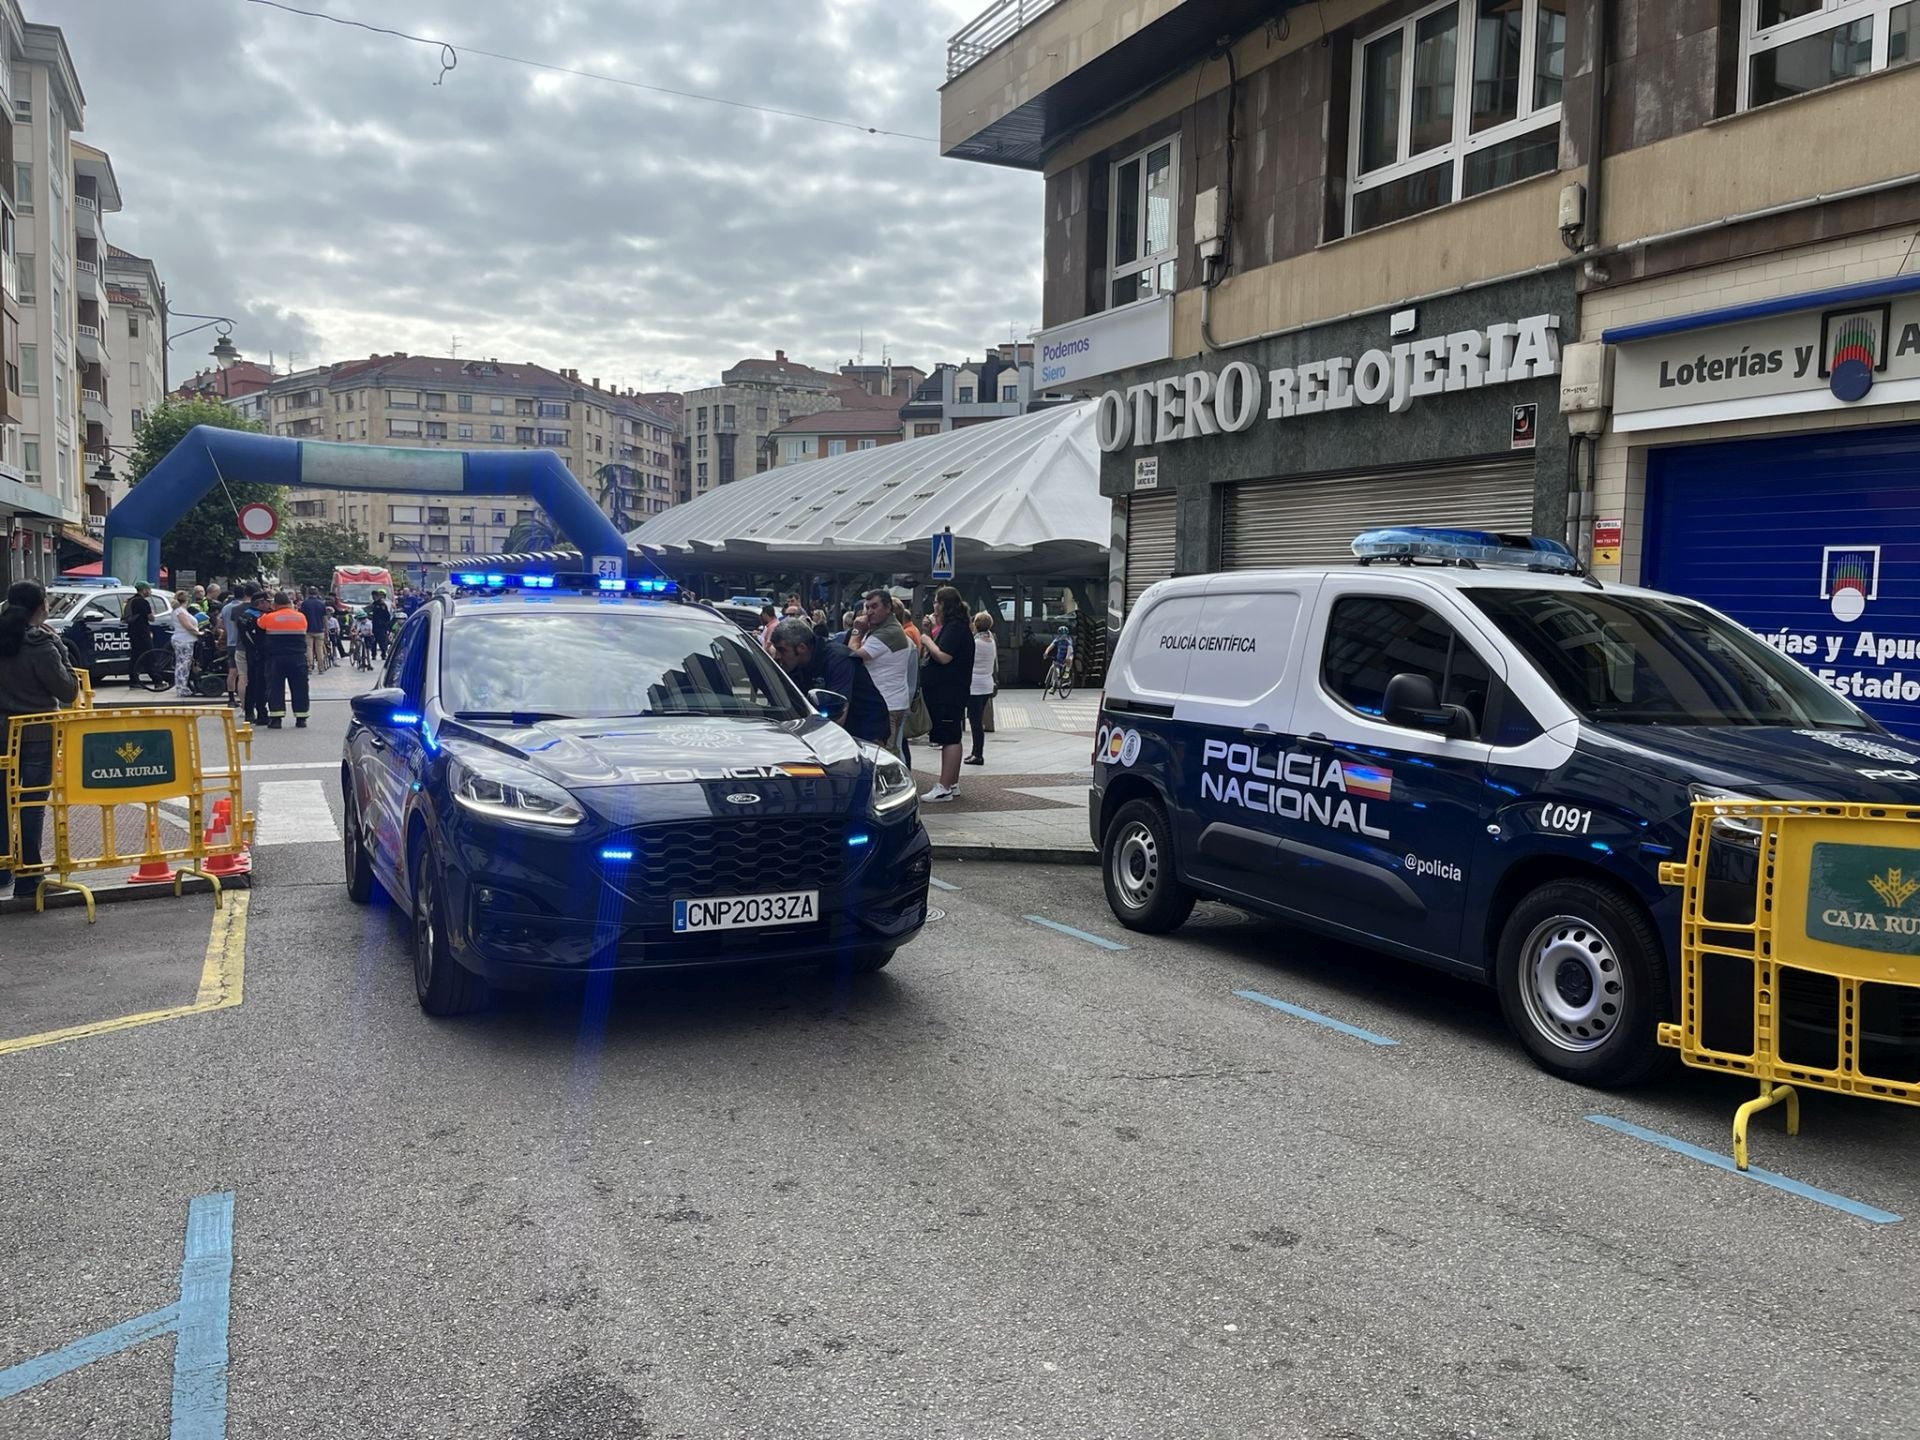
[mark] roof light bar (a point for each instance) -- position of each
(496, 580)
(1408, 543)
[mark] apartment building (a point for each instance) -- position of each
(21, 506)
(620, 449)
(1322, 277)
(730, 425)
(671, 406)
(827, 433)
(997, 386)
(138, 355)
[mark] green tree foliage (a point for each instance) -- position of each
(309, 552)
(528, 536)
(206, 539)
(616, 484)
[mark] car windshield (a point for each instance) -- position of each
(600, 663)
(1642, 660)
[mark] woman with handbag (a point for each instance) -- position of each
(985, 654)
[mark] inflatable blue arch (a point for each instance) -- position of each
(206, 455)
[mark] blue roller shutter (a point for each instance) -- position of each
(1811, 541)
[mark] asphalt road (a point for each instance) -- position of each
(1017, 1185)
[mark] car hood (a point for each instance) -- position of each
(1770, 762)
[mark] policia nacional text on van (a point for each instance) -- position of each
(1461, 751)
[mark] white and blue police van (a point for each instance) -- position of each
(1463, 751)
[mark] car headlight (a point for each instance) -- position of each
(1740, 830)
(893, 787)
(501, 790)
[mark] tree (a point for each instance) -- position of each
(615, 482)
(206, 540)
(528, 536)
(309, 552)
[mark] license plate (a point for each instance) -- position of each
(743, 912)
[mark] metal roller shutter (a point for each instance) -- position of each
(1265, 523)
(1150, 531)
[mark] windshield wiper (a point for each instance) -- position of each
(512, 717)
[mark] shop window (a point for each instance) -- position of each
(1793, 47)
(1459, 99)
(1144, 193)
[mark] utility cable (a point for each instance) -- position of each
(450, 57)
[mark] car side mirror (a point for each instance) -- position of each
(1412, 701)
(381, 708)
(828, 702)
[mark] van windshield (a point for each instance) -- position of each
(1642, 660)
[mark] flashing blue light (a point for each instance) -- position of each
(537, 582)
(1433, 542)
(475, 580)
(615, 585)
(859, 837)
(496, 580)
(406, 717)
(614, 854)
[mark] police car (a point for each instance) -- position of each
(99, 602)
(551, 783)
(1463, 751)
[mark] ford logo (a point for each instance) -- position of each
(743, 798)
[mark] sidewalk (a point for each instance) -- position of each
(1029, 801)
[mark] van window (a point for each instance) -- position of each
(1371, 639)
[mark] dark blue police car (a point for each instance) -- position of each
(1462, 752)
(552, 783)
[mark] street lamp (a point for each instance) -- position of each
(224, 351)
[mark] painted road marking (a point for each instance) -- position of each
(291, 765)
(1100, 940)
(1752, 1172)
(1300, 1012)
(197, 1320)
(295, 812)
(220, 983)
(939, 884)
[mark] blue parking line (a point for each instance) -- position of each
(939, 884)
(1753, 1172)
(200, 1350)
(84, 1351)
(1091, 939)
(1300, 1012)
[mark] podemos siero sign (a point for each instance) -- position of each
(1201, 402)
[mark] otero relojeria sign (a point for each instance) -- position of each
(1202, 402)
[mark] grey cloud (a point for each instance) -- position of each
(313, 182)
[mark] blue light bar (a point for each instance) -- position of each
(859, 837)
(405, 717)
(616, 854)
(470, 579)
(496, 581)
(615, 585)
(537, 582)
(1483, 547)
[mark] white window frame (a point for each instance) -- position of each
(1464, 143)
(1149, 265)
(1831, 15)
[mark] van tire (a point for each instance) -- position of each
(1583, 983)
(1136, 866)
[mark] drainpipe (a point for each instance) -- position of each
(1581, 477)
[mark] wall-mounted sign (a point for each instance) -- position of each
(1201, 402)
(1526, 427)
(1146, 473)
(1862, 353)
(1137, 334)
(1606, 541)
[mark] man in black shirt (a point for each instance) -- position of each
(816, 664)
(381, 614)
(139, 618)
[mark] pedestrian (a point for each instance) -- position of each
(34, 678)
(901, 614)
(816, 664)
(200, 595)
(186, 631)
(314, 610)
(768, 619)
(254, 644)
(229, 622)
(985, 654)
(381, 614)
(880, 645)
(945, 680)
(283, 631)
(138, 616)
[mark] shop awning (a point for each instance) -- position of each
(1022, 497)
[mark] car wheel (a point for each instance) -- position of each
(360, 881)
(443, 985)
(1583, 983)
(1136, 865)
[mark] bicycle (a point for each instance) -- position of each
(1059, 681)
(206, 674)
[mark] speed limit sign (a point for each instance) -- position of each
(257, 521)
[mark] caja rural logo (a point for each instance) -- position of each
(1853, 349)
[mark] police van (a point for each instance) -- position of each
(1464, 751)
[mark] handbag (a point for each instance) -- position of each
(919, 721)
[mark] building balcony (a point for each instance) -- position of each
(93, 407)
(86, 282)
(89, 342)
(86, 217)
(1024, 74)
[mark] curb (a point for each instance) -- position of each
(1023, 854)
(120, 894)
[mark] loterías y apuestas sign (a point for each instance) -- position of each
(1201, 402)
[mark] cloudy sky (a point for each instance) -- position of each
(313, 182)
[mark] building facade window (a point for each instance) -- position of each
(404, 428)
(403, 399)
(497, 405)
(926, 427)
(523, 434)
(465, 403)
(26, 294)
(23, 188)
(836, 447)
(1791, 47)
(1010, 393)
(436, 402)
(29, 369)
(466, 432)
(702, 476)
(436, 430)
(553, 437)
(496, 432)
(1143, 251)
(1459, 99)
(555, 410)
(868, 444)
(133, 324)
(403, 514)
(499, 517)
(30, 460)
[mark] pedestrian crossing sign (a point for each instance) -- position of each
(942, 568)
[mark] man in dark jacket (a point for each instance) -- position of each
(283, 637)
(816, 664)
(251, 641)
(139, 618)
(381, 614)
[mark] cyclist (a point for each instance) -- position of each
(1060, 661)
(362, 641)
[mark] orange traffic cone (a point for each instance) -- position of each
(237, 862)
(152, 872)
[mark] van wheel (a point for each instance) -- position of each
(1136, 863)
(1583, 983)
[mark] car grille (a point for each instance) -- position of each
(736, 857)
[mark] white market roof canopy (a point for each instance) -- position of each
(1022, 496)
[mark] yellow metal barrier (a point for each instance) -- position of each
(154, 760)
(1800, 951)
